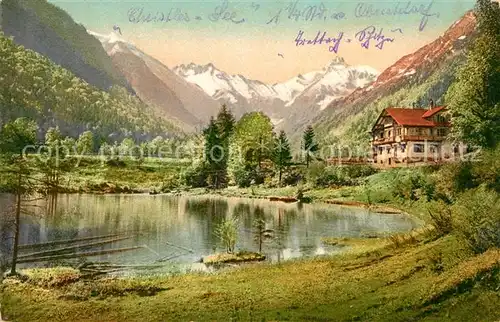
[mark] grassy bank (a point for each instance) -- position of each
(427, 280)
(94, 175)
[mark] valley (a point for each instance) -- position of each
(134, 188)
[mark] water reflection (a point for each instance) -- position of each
(182, 228)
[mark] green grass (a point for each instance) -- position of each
(92, 175)
(379, 284)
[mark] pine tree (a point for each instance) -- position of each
(225, 123)
(474, 99)
(282, 154)
(310, 145)
(14, 138)
(214, 152)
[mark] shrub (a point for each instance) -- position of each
(403, 239)
(292, 177)
(227, 232)
(413, 185)
(440, 214)
(315, 171)
(488, 170)
(242, 176)
(476, 219)
(194, 176)
(170, 182)
(357, 171)
(453, 179)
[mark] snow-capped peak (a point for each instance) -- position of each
(334, 80)
(111, 38)
(337, 61)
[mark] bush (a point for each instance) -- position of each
(292, 177)
(246, 176)
(441, 217)
(315, 171)
(476, 219)
(357, 171)
(170, 182)
(227, 232)
(453, 179)
(194, 176)
(488, 170)
(413, 185)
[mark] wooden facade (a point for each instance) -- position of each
(404, 136)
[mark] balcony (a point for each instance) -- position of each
(406, 138)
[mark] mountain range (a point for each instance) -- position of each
(412, 80)
(340, 100)
(193, 93)
(302, 95)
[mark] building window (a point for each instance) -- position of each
(433, 148)
(418, 148)
(442, 132)
(389, 134)
(441, 119)
(399, 131)
(420, 131)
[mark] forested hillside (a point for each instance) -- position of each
(52, 32)
(35, 87)
(414, 79)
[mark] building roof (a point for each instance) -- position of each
(413, 116)
(433, 111)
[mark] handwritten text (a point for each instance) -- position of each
(293, 11)
(370, 33)
(366, 37)
(368, 10)
(320, 39)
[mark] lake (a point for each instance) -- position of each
(180, 229)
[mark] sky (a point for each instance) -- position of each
(258, 39)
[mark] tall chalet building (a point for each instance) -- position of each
(403, 136)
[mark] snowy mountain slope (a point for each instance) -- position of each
(335, 80)
(157, 85)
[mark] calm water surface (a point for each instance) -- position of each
(182, 228)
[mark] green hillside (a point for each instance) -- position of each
(354, 128)
(74, 34)
(33, 86)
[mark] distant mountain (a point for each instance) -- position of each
(414, 79)
(241, 94)
(33, 86)
(335, 81)
(157, 85)
(50, 31)
(302, 95)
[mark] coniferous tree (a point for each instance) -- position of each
(310, 145)
(474, 99)
(224, 125)
(281, 154)
(14, 138)
(214, 153)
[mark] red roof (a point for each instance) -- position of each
(433, 111)
(413, 116)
